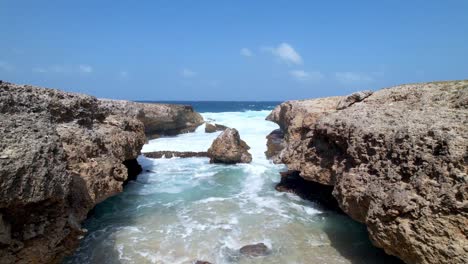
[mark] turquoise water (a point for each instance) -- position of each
(182, 210)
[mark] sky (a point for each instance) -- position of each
(231, 50)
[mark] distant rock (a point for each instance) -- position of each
(397, 162)
(352, 99)
(254, 250)
(229, 148)
(211, 128)
(172, 154)
(275, 144)
(158, 119)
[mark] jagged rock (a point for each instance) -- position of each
(170, 154)
(397, 161)
(211, 128)
(229, 148)
(255, 250)
(158, 119)
(352, 99)
(275, 144)
(62, 153)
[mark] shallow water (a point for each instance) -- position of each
(181, 210)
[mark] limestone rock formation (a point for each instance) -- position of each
(397, 161)
(60, 154)
(352, 99)
(211, 127)
(158, 119)
(229, 148)
(275, 144)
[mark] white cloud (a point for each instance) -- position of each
(301, 75)
(286, 53)
(85, 68)
(187, 73)
(5, 66)
(66, 69)
(350, 77)
(246, 52)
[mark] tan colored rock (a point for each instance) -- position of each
(158, 119)
(229, 148)
(211, 128)
(397, 161)
(60, 154)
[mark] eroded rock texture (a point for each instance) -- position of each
(229, 148)
(158, 119)
(397, 160)
(60, 155)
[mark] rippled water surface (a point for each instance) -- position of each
(181, 210)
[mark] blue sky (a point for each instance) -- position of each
(231, 50)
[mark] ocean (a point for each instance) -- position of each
(183, 210)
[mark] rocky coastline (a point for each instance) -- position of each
(396, 160)
(61, 154)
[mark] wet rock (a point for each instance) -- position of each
(171, 154)
(396, 161)
(202, 262)
(228, 148)
(275, 144)
(211, 127)
(352, 99)
(254, 250)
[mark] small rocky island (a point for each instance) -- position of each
(61, 154)
(396, 160)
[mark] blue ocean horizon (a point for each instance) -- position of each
(223, 106)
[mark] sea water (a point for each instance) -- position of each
(183, 210)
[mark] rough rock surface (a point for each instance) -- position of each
(275, 144)
(211, 128)
(352, 99)
(397, 161)
(158, 119)
(60, 154)
(229, 148)
(171, 154)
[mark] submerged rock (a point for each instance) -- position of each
(396, 161)
(171, 154)
(211, 128)
(201, 262)
(229, 148)
(254, 250)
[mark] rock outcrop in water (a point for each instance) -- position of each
(158, 119)
(397, 160)
(174, 154)
(211, 128)
(229, 148)
(60, 154)
(275, 144)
